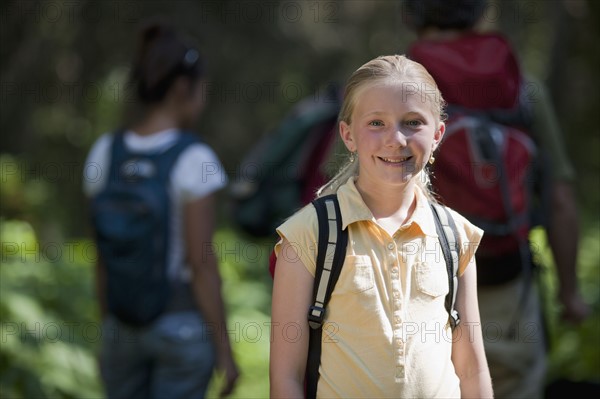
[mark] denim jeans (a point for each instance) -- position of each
(171, 358)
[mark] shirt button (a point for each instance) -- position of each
(400, 371)
(397, 320)
(396, 295)
(391, 246)
(394, 270)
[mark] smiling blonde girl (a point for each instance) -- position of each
(390, 335)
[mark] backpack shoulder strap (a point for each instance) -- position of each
(449, 242)
(331, 253)
(167, 159)
(118, 153)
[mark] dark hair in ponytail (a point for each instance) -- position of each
(163, 55)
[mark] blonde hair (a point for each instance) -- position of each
(393, 69)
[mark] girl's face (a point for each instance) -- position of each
(393, 133)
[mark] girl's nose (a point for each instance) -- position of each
(395, 138)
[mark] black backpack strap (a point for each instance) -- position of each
(448, 236)
(118, 153)
(331, 253)
(167, 159)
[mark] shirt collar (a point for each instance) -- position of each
(354, 209)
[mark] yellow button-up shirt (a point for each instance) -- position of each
(386, 331)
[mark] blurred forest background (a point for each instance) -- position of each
(63, 68)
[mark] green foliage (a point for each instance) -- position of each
(574, 353)
(49, 328)
(21, 195)
(247, 293)
(50, 331)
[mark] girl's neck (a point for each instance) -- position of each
(154, 121)
(391, 206)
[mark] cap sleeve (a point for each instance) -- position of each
(301, 231)
(97, 165)
(198, 173)
(470, 237)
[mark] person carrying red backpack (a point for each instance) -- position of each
(500, 128)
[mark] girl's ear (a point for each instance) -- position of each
(439, 134)
(346, 136)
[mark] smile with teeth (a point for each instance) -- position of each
(394, 160)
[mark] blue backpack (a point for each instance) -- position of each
(131, 219)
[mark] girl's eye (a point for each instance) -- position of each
(414, 123)
(376, 123)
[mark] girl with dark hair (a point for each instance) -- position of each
(172, 352)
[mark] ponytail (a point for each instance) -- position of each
(162, 56)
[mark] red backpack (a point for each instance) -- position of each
(484, 168)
